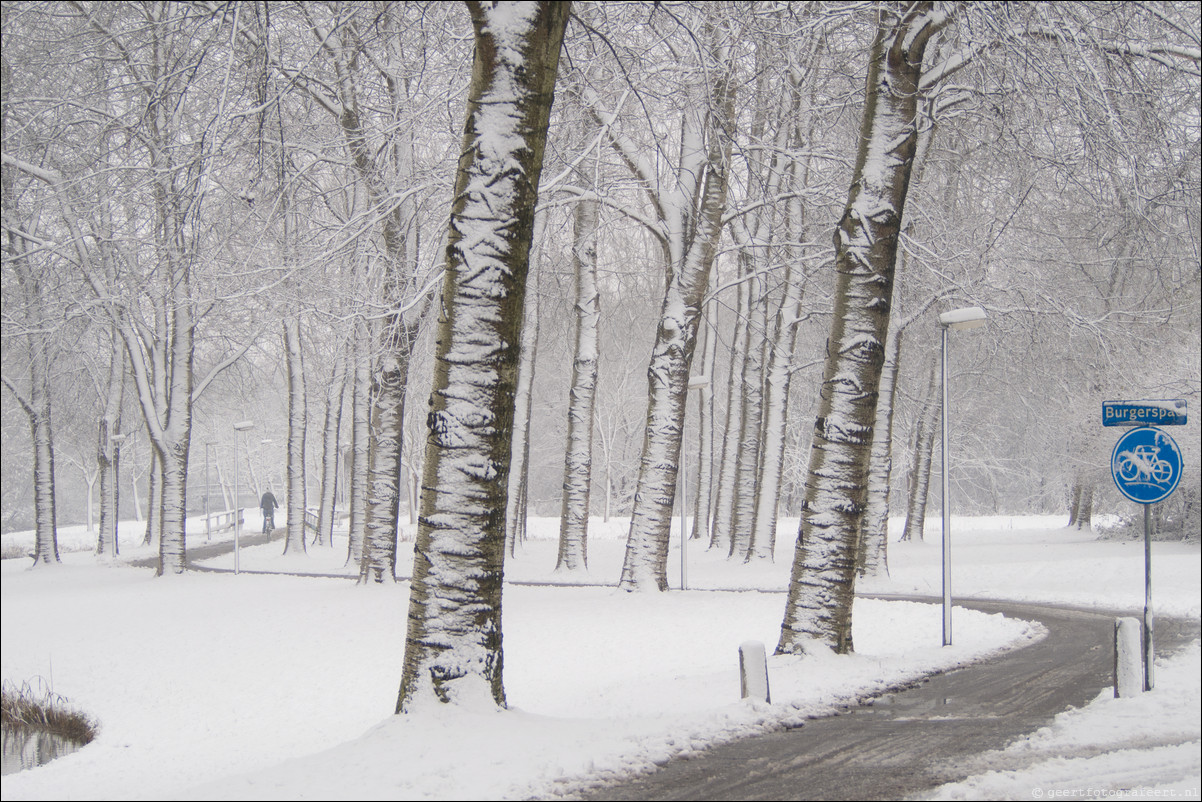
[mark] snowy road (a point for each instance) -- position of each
(910, 742)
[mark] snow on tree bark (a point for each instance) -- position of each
(388, 428)
(360, 440)
(874, 527)
(777, 379)
(705, 434)
(154, 499)
(453, 649)
(578, 458)
(724, 501)
(822, 586)
(756, 232)
(920, 472)
(692, 217)
(107, 451)
(36, 403)
(747, 460)
(294, 543)
(515, 507)
(331, 455)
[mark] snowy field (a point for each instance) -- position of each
(276, 686)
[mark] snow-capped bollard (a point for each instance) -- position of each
(1128, 658)
(753, 671)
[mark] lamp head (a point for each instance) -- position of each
(970, 317)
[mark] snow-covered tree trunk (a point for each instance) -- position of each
(1074, 504)
(135, 496)
(724, 498)
(294, 543)
(519, 471)
(453, 650)
(920, 472)
(578, 458)
(170, 433)
(920, 486)
(822, 586)
(107, 451)
(705, 435)
(36, 403)
(330, 453)
(692, 215)
(360, 443)
(1085, 510)
(874, 528)
(37, 409)
(747, 460)
(154, 499)
(388, 428)
(767, 233)
(778, 377)
(645, 565)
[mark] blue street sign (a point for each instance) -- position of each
(1169, 412)
(1146, 465)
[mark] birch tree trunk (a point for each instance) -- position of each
(330, 452)
(37, 409)
(297, 414)
(154, 499)
(822, 586)
(453, 650)
(747, 460)
(724, 499)
(1085, 511)
(920, 473)
(516, 504)
(36, 402)
(766, 370)
(705, 434)
(1074, 502)
(874, 540)
(360, 444)
(578, 459)
(778, 378)
(384, 482)
(693, 218)
(107, 451)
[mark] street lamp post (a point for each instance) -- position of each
(240, 426)
(967, 318)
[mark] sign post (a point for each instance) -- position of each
(1146, 466)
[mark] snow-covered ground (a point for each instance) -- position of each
(264, 686)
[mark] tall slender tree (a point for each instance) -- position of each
(818, 609)
(453, 648)
(689, 208)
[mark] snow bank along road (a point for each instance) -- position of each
(912, 741)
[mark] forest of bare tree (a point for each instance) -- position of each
(742, 226)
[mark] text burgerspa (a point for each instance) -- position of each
(1140, 413)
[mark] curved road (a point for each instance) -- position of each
(911, 741)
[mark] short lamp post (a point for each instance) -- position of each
(240, 426)
(967, 318)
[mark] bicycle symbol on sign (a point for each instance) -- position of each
(1143, 464)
